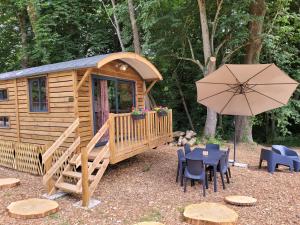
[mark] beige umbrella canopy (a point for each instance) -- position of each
(245, 89)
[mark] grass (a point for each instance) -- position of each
(153, 215)
(147, 167)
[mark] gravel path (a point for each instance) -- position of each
(143, 188)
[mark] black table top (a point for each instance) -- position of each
(212, 158)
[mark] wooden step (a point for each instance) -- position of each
(76, 175)
(73, 160)
(97, 167)
(93, 154)
(67, 187)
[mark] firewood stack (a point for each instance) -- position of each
(181, 138)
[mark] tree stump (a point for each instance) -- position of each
(207, 213)
(8, 182)
(32, 208)
(240, 200)
(149, 223)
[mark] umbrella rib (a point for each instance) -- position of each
(216, 94)
(258, 73)
(228, 102)
(237, 80)
(248, 103)
(267, 96)
(273, 83)
(205, 82)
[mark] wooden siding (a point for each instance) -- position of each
(85, 105)
(45, 127)
(8, 108)
(34, 127)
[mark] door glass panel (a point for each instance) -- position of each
(125, 96)
(112, 96)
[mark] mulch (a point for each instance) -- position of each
(143, 188)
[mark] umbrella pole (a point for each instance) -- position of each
(234, 141)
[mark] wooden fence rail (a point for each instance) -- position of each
(131, 135)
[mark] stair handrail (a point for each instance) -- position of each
(47, 157)
(84, 181)
(50, 151)
(91, 145)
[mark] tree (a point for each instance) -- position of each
(211, 117)
(243, 124)
(134, 27)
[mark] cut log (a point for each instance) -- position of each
(149, 223)
(180, 141)
(189, 134)
(177, 134)
(32, 208)
(8, 182)
(192, 142)
(207, 213)
(184, 141)
(240, 200)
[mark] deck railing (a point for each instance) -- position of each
(130, 135)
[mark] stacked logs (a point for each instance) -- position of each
(181, 138)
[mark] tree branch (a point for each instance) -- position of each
(108, 14)
(191, 48)
(195, 61)
(227, 57)
(215, 23)
(228, 37)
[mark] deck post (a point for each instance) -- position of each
(148, 128)
(85, 178)
(112, 144)
(50, 183)
(171, 124)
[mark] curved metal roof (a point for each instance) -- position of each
(146, 69)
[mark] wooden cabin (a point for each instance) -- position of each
(69, 120)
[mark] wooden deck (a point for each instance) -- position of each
(80, 172)
(132, 137)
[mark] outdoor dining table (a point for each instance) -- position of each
(211, 159)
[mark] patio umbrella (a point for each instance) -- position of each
(245, 89)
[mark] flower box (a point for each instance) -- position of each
(162, 113)
(138, 116)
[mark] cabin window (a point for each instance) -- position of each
(38, 94)
(120, 95)
(4, 122)
(3, 95)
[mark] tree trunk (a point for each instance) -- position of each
(117, 26)
(243, 124)
(33, 15)
(21, 15)
(210, 66)
(184, 103)
(136, 37)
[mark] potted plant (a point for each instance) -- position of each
(161, 111)
(138, 114)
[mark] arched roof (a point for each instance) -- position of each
(144, 67)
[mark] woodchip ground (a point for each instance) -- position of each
(143, 188)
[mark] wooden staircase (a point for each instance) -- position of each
(71, 177)
(67, 172)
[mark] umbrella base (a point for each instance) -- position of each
(242, 165)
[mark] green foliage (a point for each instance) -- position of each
(60, 30)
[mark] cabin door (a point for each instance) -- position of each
(111, 96)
